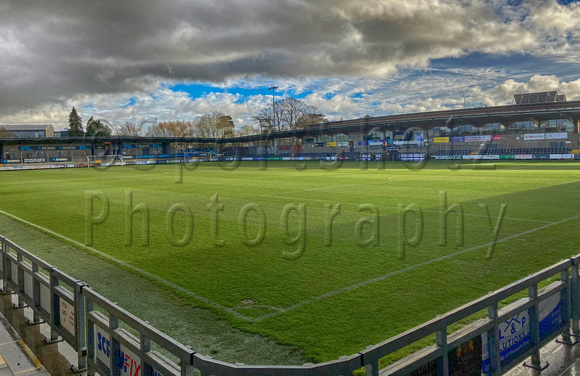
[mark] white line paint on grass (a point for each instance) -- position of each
(408, 269)
(134, 269)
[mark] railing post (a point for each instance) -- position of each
(372, 369)
(115, 361)
(81, 328)
(575, 299)
(493, 341)
(565, 305)
(443, 362)
(534, 312)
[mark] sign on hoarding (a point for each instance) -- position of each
(457, 139)
(524, 156)
(343, 143)
(534, 136)
(441, 140)
(34, 160)
(556, 136)
(478, 138)
(496, 137)
(419, 136)
(130, 364)
(514, 333)
(464, 360)
(67, 316)
(331, 144)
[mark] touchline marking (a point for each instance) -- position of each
(407, 269)
(135, 269)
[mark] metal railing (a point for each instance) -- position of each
(111, 341)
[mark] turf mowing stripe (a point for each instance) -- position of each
(407, 269)
(425, 210)
(131, 267)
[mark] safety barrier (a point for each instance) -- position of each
(111, 341)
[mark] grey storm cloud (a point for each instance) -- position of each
(53, 50)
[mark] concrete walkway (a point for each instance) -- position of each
(16, 358)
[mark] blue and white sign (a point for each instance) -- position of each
(514, 334)
(130, 363)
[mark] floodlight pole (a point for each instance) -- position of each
(464, 102)
(273, 88)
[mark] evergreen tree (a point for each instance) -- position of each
(97, 128)
(75, 124)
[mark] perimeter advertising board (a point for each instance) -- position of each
(514, 333)
(556, 136)
(130, 362)
(464, 360)
(534, 136)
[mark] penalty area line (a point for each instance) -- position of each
(134, 269)
(407, 269)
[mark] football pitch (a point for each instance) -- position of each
(329, 260)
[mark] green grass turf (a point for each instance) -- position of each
(309, 302)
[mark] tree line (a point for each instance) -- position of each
(285, 114)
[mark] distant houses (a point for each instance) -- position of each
(27, 131)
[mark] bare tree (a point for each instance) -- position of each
(5, 133)
(130, 129)
(172, 128)
(289, 114)
(214, 125)
(246, 130)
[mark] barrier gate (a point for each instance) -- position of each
(111, 341)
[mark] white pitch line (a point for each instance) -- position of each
(407, 269)
(135, 269)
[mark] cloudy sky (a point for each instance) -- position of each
(144, 60)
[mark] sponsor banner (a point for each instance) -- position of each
(130, 364)
(542, 156)
(534, 136)
(343, 143)
(441, 140)
(556, 136)
(507, 156)
(419, 136)
(464, 360)
(376, 143)
(567, 156)
(514, 334)
(12, 161)
(524, 156)
(34, 160)
(362, 143)
(319, 144)
(514, 339)
(491, 157)
(60, 159)
(550, 316)
(478, 138)
(555, 156)
(128, 157)
(496, 137)
(331, 144)
(466, 156)
(457, 139)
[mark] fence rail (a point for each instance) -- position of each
(111, 341)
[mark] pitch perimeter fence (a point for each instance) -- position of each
(111, 341)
